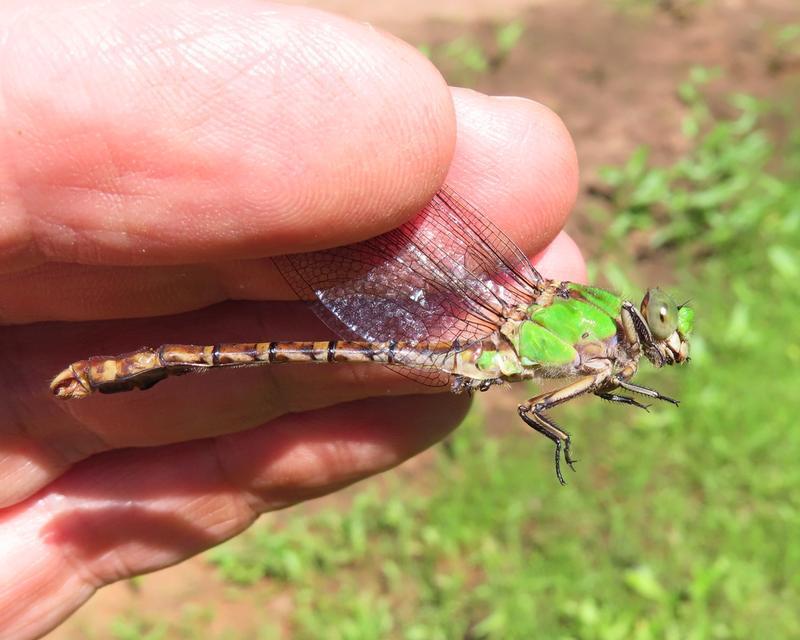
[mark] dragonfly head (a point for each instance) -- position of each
(670, 326)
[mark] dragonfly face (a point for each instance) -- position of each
(669, 326)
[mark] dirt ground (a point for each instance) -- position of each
(610, 69)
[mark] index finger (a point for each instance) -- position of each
(236, 130)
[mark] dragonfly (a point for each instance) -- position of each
(446, 299)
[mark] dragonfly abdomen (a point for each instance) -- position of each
(145, 367)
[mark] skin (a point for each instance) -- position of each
(151, 162)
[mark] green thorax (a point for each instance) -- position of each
(553, 332)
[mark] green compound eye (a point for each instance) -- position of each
(661, 313)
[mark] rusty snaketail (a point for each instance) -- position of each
(445, 299)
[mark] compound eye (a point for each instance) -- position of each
(661, 313)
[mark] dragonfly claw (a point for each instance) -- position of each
(613, 397)
(567, 458)
(645, 391)
(560, 438)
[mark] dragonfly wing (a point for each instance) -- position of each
(428, 376)
(488, 253)
(446, 275)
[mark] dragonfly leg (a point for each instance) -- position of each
(532, 412)
(651, 393)
(549, 429)
(485, 385)
(462, 384)
(613, 397)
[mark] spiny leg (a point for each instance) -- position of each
(651, 393)
(613, 397)
(532, 412)
(550, 430)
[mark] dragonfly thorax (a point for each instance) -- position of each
(573, 330)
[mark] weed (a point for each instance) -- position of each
(731, 186)
(465, 59)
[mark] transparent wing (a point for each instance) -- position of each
(447, 275)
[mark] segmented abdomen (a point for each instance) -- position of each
(145, 367)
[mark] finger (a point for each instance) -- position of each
(146, 134)
(517, 163)
(133, 511)
(43, 436)
(562, 260)
(222, 402)
(514, 160)
(193, 406)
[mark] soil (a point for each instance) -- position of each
(610, 69)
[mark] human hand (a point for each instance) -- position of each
(152, 161)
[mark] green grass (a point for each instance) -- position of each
(681, 523)
(722, 192)
(463, 60)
